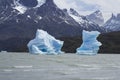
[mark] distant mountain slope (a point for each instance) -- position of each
(85, 23)
(96, 17)
(113, 23)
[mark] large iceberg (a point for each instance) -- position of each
(90, 45)
(44, 43)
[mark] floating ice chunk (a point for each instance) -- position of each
(44, 43)
(3, 52)
(90, 44)
(20, 67)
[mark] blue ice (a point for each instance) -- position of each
(90, 45)
(44, 43)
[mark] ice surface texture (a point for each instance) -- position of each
(90, 44)
(44, 43)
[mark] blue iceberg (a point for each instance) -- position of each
(44, 43)
(90, 45)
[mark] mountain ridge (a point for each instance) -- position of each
(113, 23)
(21, 27)
(96, 17)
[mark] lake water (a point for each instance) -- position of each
(23, 66)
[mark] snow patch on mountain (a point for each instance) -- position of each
(77, 19)
(39, 17)
(76, 16)
(82, 20)
(19, 7)
(40, 3)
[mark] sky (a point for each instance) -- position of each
(85, 7)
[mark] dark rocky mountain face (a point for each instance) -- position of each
(110, 42)
(17, 29)
(73, 12)
(4, 3)
(29, 3)
(71, 44)
(5, 10)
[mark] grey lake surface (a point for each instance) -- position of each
(23, 66)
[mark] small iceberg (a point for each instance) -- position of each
(3, 52)
(44, 43)
(90, 45)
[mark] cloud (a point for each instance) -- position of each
(106, 5)
(66, 3)
(88, 6)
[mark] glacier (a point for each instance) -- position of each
(44, 43)
(90, 45)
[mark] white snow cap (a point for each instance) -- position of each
(40, 3)
(19, 7)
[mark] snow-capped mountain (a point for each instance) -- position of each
(19, 20)
(113, 23)
(96, 17)
(84, 22)
(47, 17)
